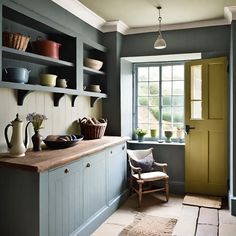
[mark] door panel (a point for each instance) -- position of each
(216, 97)
(206, 111)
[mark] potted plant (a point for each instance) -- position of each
(140, 133)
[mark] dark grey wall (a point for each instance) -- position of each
(205, 40)
(56, 13)
(173, 155)
(111, 106)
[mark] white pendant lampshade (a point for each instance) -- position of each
(160, 43)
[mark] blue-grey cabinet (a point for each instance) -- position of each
(94, 169)
(70, 200)
(117, 171)
(65, 199)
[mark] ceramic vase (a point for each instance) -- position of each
(37, 140)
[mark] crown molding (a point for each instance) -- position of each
(118, 25)
(79, 10)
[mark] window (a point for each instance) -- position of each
(159, 97)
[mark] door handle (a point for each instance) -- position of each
(187, 128)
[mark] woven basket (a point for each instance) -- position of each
(15, 40)
(90, 131)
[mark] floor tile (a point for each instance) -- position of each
(108, 230)
(207, 230)
(208, 216)
(226, 218)
(227, 230)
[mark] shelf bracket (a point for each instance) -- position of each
(73, 100)
(93, 100)
(56, 98)
(21, 95)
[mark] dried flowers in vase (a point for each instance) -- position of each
(36, 120)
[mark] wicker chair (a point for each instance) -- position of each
(144, 170)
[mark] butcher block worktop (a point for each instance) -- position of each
(51, 158)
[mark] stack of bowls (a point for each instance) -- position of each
(93, 64)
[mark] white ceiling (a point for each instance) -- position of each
(143, 13)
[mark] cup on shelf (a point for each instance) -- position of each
(61, 83)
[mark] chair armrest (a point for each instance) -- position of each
(135, 169)
(162, 165)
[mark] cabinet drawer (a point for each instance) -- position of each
(117, 149)
(66, 169)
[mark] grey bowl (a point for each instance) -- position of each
(16, 74)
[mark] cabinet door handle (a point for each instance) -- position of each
(123, 148)
(111, 152)
(67, 171)
(88, 165)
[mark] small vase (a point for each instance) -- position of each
(168, 135)
(37, 140)
(140, 138)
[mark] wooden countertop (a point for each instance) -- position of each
(51, 158)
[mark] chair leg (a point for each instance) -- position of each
(131, 184)
(167, 189)
(140, 191)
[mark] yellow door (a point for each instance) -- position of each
(206, 123)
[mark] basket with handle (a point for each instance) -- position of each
(91, 129)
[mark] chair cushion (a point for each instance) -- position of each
(146, 163)
(151, 176)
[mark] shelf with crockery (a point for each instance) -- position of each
(94, 70)
(33, 46)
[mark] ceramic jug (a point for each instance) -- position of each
(17, 147)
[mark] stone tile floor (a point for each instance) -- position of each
(155, 205)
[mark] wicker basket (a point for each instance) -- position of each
(15, 40)
(91, 131)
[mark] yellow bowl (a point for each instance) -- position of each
(93, 64)
(48, 80)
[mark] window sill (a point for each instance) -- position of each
(156, 143)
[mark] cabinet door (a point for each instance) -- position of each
(65, 199)
(94, 184)
(117, 171)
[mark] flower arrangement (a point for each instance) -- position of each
(36, 119)
(140, 132)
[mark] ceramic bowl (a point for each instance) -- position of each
(93, 64)
(59, 144)
(94, 88)
(48, 80)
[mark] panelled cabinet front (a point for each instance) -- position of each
(94, 173)
(65, 199)
(80, 193)
(117, 171)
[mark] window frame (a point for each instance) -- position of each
(135, 92)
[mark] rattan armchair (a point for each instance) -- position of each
(144, 170)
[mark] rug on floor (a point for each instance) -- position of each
(202, 201)
(146, 225)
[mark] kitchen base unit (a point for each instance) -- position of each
(63, 192)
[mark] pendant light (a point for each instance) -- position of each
(160, 43)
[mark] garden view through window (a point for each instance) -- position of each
(160, 97)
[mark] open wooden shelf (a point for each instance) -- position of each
(12, 53)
